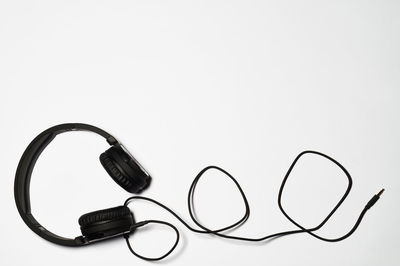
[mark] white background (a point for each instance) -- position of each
(245, 85)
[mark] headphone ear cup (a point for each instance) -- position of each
(114, 172)
(106, 223)
(124, 170)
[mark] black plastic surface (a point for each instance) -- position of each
(23, 178)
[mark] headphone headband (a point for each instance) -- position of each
(24, 173)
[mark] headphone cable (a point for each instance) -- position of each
(219, 232)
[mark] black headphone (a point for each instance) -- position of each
(95, 226)
(129, 174)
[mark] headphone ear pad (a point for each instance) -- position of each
(106, 223)
(124, 170)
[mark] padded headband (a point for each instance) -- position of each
(24, 173)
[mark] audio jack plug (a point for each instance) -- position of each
(374, 199)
